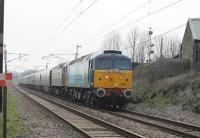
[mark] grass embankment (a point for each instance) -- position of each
(15, 125)
(181, 90)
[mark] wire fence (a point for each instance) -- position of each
(162, 68)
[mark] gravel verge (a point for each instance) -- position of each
(173, 112)
(40, 122)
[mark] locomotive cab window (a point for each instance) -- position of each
(104, 64)
(122, 64)
(119, 64)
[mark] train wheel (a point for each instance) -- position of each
(74, 96)
(53, 91)
(87, 97)
(67, 94)
(75, 93)
(96, 102)
(122, 107)
(70, 95)
(83, 96)
(91, 101)
(79, 95)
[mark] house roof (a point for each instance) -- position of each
(195, 28)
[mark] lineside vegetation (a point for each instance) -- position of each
(15, 124)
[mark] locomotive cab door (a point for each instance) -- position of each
(65, 77)
(91, 72)
(50, 78)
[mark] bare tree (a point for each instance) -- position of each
(113, 41)
(132, 40)
(140, 51)
(171, 46)
(157, 46)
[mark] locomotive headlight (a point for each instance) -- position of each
(127, 93)
(106, 77)
(101, 92)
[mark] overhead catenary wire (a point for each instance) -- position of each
(137, 20)
(158, 36)
(151, 13)
(63, 22)
(117, 21)
(51, 38)
(68, 25)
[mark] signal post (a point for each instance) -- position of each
(1, 45)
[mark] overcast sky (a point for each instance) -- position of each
(30, 23)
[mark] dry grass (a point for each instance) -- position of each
(15, 125)
(183, 89)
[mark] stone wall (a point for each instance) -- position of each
(187, 45)
(196, 56)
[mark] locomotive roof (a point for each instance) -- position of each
(96, 55)
(85, 57)
(99, 55)
(111, 55)
(59, 65)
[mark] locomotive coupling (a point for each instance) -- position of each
(127, 93)
(101, 92)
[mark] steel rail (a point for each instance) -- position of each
(113, 127)
(168, 121)
(75, 127)
(162, 127)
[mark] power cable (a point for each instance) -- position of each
(158, 36)
(68, 25)
(154, 12)
(63, 22)
(139, 19)
(119, 20)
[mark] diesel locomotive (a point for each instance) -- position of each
(97, 79)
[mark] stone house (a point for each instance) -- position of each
(190, 48)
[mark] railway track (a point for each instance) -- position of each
(170, 126)
(175, 127)
(88, 125)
